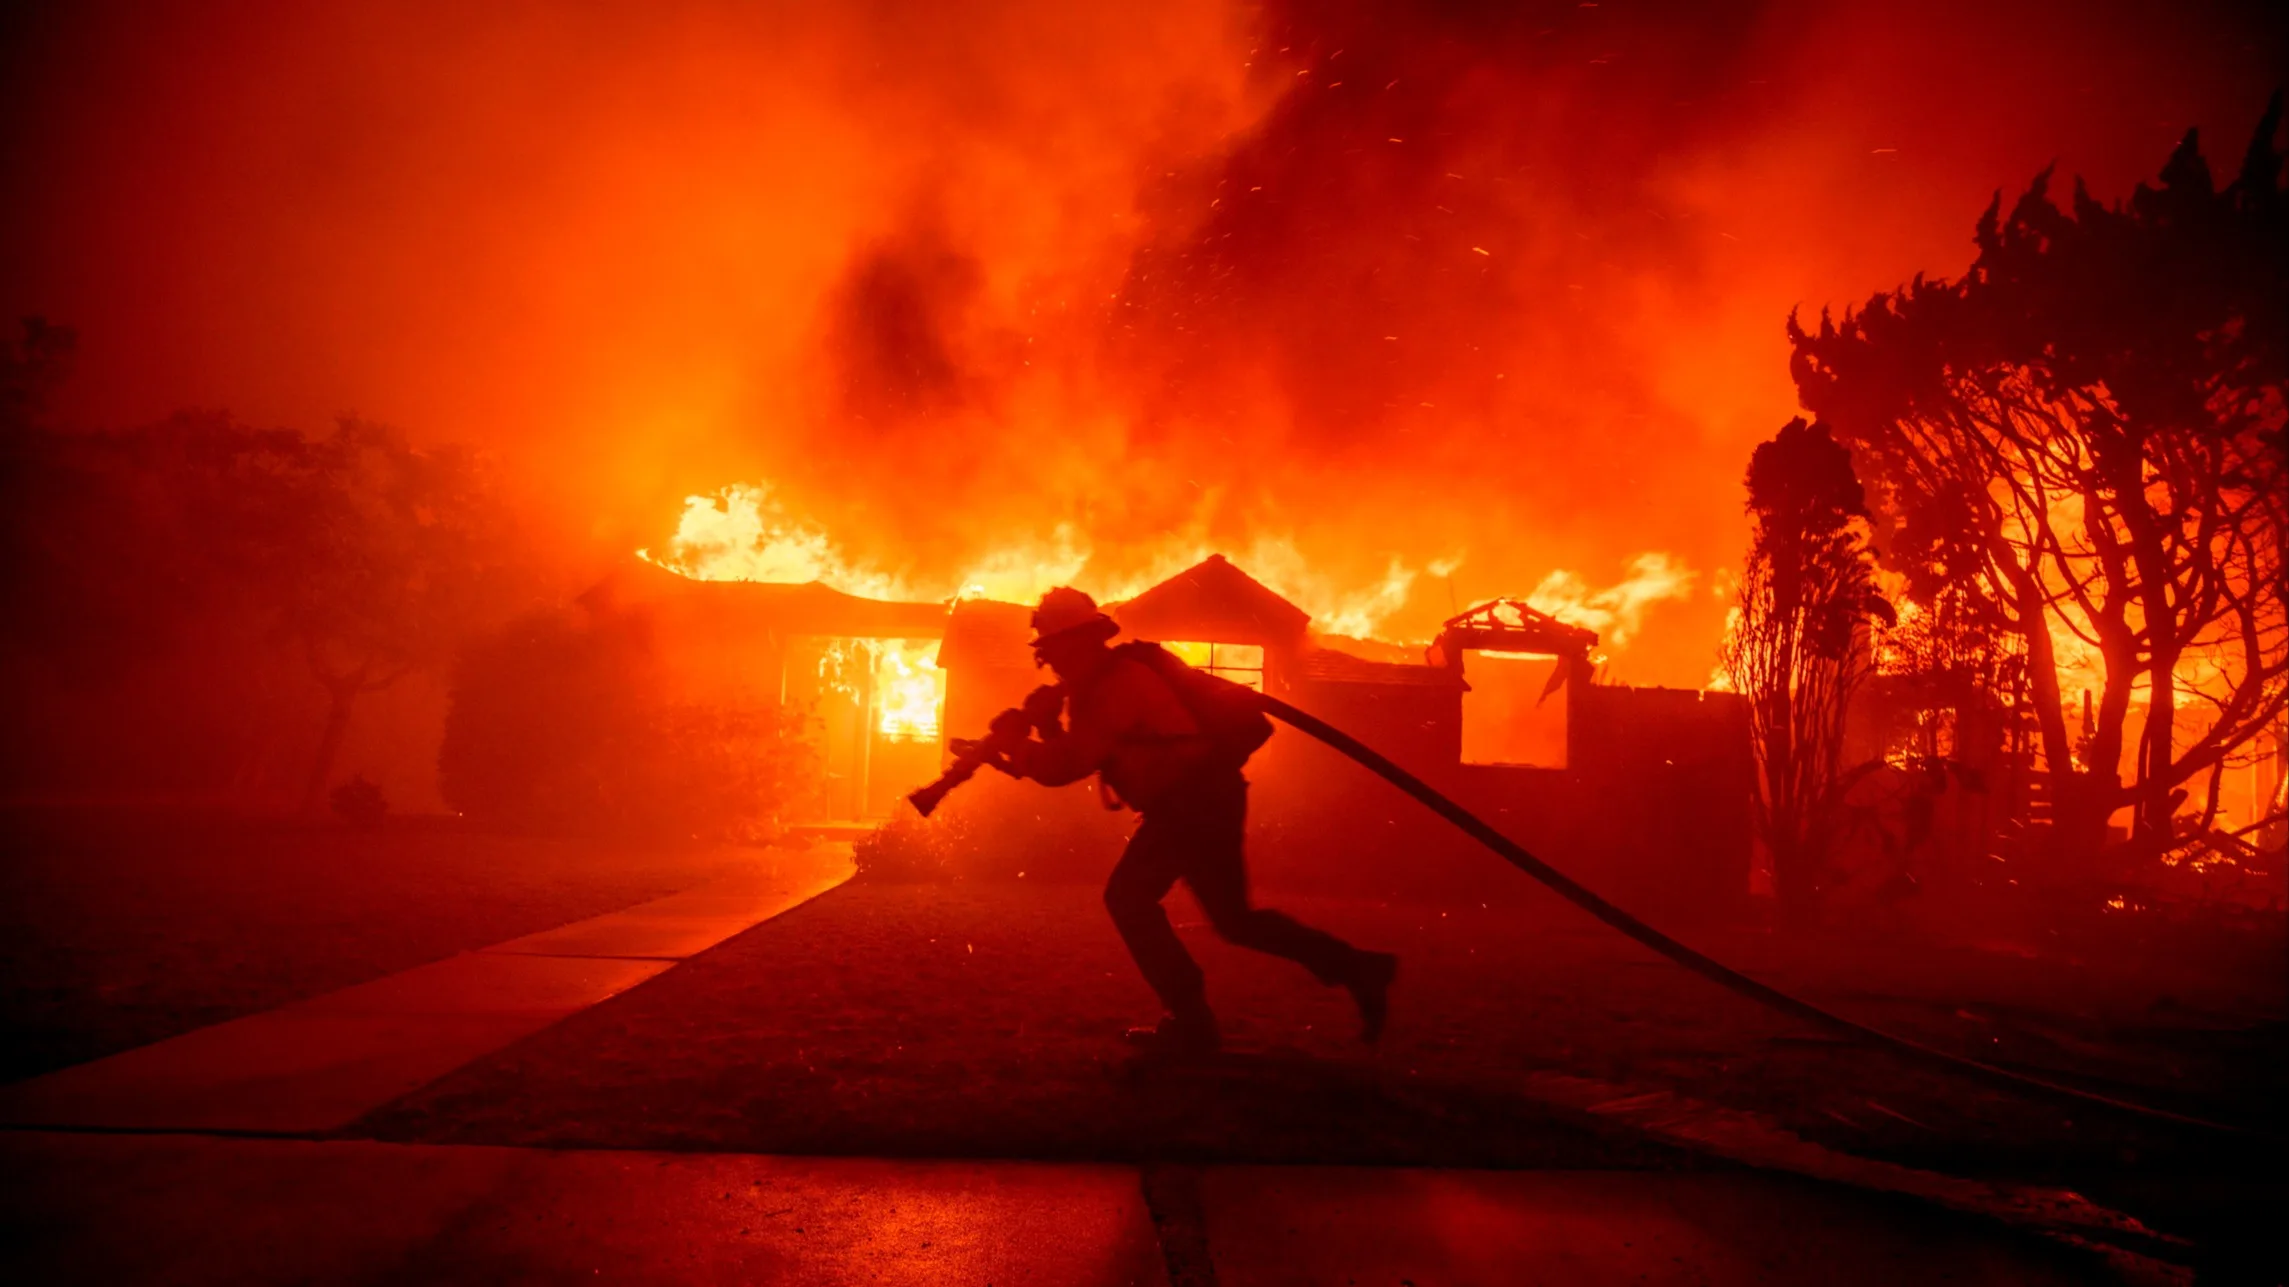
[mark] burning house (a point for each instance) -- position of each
(1643, 792)
(863, 669)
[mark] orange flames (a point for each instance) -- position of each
(909, 690)
(743, 533)
(1617, 612)
(1346, 291)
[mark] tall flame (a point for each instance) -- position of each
(1616, 612)
(743, 534)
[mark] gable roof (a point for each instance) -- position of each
(1213, 602)
(1512, 625)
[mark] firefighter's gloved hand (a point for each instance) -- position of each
(1045, 709)
(984, 750)
(1010, 727)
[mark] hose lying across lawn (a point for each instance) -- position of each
(1716, 971)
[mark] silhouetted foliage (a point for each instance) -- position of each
(359, 802)
(173, 576)
(30, 370)
(563, 725)
(398, 551)
(2083, 439)
(1798, 647)
(1946, 655)
(137, 656)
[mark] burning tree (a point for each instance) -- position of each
(1799, 646)
(2083, 439)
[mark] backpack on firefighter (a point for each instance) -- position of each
(1229, 716)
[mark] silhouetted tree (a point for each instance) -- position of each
(1947, 656)
(1797, 646)
(2083, 437)
(127, 548)
(391, 553)
(30, 370)
(225, 553)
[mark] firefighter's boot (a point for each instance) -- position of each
(1370, 987)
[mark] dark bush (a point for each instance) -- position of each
(560, 724)
(910, 850)
(997, 829)
(360, 803)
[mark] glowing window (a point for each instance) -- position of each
(1505, 717)
(909, 689)
(1243, 664)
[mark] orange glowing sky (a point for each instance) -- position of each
(1501, 287)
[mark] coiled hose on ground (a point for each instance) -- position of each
(1705, 966)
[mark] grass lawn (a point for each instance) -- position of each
(120, 927)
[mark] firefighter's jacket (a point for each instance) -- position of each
(1127, 725)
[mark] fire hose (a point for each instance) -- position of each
(1700, 963)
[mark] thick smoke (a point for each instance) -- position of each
(893, 337)
(1361, 288)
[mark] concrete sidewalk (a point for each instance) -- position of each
(320, 1064)
(91, 1208)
